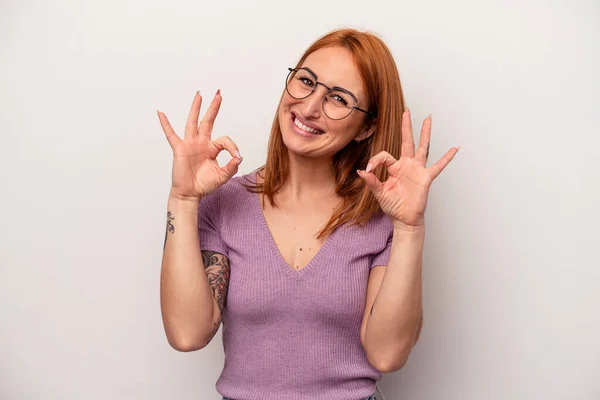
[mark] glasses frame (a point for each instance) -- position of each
(314, 89)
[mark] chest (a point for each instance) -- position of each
(295, 231)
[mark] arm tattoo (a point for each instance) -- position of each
(214, 331)
(217, 270)
(170, 227)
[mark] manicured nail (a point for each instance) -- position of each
(237, 154)
(218, 92)
(369, 167)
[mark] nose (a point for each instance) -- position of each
(313, 105)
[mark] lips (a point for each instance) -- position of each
(305, 127)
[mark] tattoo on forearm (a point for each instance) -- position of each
(214, 331)
(217, 270)
(170, 227)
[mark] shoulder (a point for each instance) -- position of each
(381, 220)
(231, 190)
(380, 224)
(372, 235)
(231, 202)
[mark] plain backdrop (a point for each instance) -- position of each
(511, 268)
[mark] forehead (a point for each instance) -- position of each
(335, 66)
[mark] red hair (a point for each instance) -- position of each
(380, 77)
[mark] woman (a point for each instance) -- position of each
(312, 262)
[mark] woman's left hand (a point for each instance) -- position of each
(403, 196)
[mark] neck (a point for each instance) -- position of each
(308, 178)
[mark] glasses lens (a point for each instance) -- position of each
(300, 83)
(338, 104)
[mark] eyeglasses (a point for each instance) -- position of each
(338, 103)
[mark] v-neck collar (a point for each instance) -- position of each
(297, 273)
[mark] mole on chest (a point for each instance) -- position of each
(295, 235)
(297, 247)
(298, 255)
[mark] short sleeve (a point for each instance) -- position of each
(209, 224)
(382, 257)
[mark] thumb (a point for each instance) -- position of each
(231, 168)
(372, 182)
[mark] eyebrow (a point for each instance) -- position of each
(333, 87)
(312, 72)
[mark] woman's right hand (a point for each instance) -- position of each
(196, 172)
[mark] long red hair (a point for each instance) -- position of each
(382, 83)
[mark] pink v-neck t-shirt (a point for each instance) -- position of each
(291, 334)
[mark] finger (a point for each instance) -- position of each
(191, 126)
(372, 182)
(382, 158)
(231, 168)
(208, 121)
(424, 141)
(408, 142)
(225, 143)
(172, 137)
(439, 166)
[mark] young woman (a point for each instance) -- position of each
(313, 261)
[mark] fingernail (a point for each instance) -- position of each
(237, 154)
(369, 167)
(240, 160)
(218, 92)
(197, 93)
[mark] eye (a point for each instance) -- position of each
(339, 98)
(306, 81)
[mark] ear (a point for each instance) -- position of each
(370, 130)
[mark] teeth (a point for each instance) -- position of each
(304, 127)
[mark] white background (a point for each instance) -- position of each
(511, 267)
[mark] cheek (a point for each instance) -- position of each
(287, 101)
(345, 129)
(284, 111)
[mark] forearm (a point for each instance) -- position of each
(394, 321)
(187, 303)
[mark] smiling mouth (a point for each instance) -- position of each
(303, 127)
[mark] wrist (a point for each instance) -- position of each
(403, 228)
(173, 196)
(177, 203)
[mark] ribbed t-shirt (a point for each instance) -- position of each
(291, 334)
